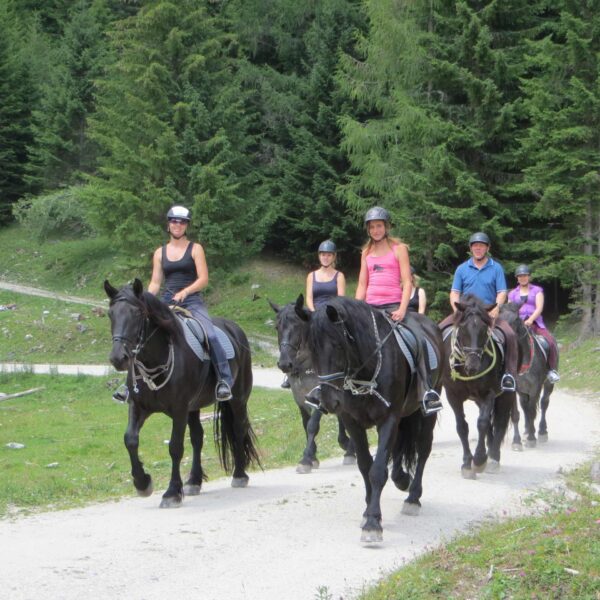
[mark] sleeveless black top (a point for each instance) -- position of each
(324, 290)
(179, 273)
(413, 303)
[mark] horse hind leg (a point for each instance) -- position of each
(309, 458)
(346, 444)
(197, 476)
(517, 444)
(544, 403)
(528, 403)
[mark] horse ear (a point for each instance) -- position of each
(490, 307)
(332, 313)
(302, 312)
(274, 306)
(300, 301)
(111, 291)
(460, 306)
(138, 287)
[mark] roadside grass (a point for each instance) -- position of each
(74, 452)
(551, 555)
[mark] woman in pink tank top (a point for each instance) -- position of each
(384, 280)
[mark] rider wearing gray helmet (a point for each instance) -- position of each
(181, 266)
(483, 277)
(530, 297)
(385, 282)
(326, 282)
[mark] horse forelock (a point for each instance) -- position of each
(473, 307)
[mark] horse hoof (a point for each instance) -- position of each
(171, 502)
(468, 473)
(517, 447)
(411, 509)
(479, 468)
(493, 466)
(363, 522)
(303, 469)
(530, 443)
(315, 463)
(349, 460)
(371, 536)
(542, 438)
(148, 491)
(190, 489)
(240, 482)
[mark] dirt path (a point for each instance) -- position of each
(287, 536)
(31, 291)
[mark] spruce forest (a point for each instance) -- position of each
(280, 122)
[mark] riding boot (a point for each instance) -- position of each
(221, 364)
(431, 401)
(285, 384)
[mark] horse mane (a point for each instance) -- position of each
(153, 308)
(473, 306)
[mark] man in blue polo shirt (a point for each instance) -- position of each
(483, 277)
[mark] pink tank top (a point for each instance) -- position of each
(384, 281)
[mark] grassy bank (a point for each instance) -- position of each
(551, 555)
(73, 451)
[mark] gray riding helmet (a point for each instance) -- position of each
(479, 237)
(522, 270)
(327, 246)
(377, 213)
(179, 212)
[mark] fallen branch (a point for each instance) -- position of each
(19, 394)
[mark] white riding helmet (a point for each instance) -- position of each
(179, 212)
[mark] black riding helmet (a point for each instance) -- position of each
(522, 270)
(327, 246)
(377, 213)
(479, 237)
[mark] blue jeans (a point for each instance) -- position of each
(196, 306)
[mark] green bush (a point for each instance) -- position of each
(59, 214)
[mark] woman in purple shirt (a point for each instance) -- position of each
(531, 299)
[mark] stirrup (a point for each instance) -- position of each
(121, 394)
(508, 383)
(553, 377)
(431, 403)
(223, 391)
(285, 384)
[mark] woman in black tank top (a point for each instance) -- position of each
(326, 282)
(418, 299)
(181, 266)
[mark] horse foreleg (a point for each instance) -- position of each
(173, 497)
(462, 428)
(197, 476)
(517, 444)
(528, 404)
(363, 455)
(311, 424)
(484, 424)
(378, 474)
(545, 401)
(346, 444)
(141, 480)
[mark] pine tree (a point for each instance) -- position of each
(561, 151)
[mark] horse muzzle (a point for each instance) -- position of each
(119, 356)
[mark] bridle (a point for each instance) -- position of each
(147, 374)
(358, 387)
(459, 355)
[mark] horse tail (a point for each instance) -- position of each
(228, 444)
(410, 431)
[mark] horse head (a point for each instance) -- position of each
(472, 327)
(292, 332)
(510, 313)
(127, 319)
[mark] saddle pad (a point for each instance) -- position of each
(407, 342)
(195, 336)
(542, 342)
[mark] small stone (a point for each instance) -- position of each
(52, 465)
(15, 445)
(595, 472)
(81, 327)
(28, 336)
(255, 286)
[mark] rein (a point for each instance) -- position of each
(147, 374)
(459, 354)
(360, 387)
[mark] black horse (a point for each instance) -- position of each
(295, 361)
(473, 372)
(532, 381)
(164, 375)
(366, 378)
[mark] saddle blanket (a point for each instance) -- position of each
(407, 342)
(196, 338)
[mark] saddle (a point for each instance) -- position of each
(196, 336)
(543, 345)
(409, 346)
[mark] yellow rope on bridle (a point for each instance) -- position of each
(457, 358)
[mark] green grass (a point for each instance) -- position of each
(73, 436)
(527, 558)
